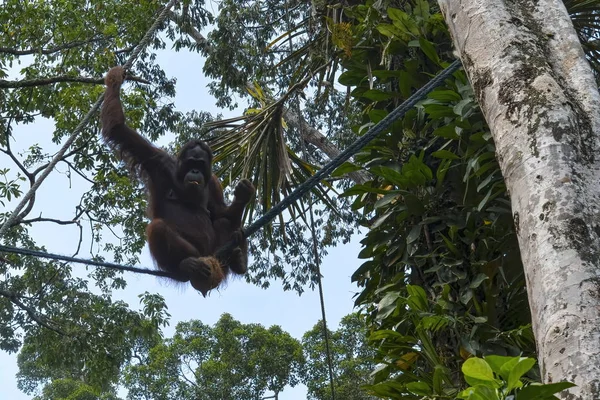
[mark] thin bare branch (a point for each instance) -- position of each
(50, 50)
(42, 219)
(78, 172)
(189, 29)
(4, 84)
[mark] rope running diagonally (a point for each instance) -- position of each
(29, 195)
(352, 149)
(296, 194)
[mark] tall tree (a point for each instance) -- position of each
(53, 56)
(539, 96)
(351, 358)
(228, 361)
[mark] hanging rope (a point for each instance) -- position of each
(58, 257)
(29, 195)
(322, 299)
(315, 248)
(279, 207)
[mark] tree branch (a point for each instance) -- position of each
(50, 50)
(320, 141)
(32, 314)
(4, 84)
(42, 219)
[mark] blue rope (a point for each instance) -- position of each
(352, 149)
(43, 254)
(295, 195)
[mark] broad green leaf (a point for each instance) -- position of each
(477, 281)
(477, 368)
(377, 115)
(429, 50)
(438, 111)
(388, 333)
(542, 392)
(419, 388)
(389, 30)
(352, 77)
(444, 95)
(417, 298)
(414, 234)
(445, 154)
(518, 371)
(345, 168)
(378, 95)
(404, 22)
(386, 199)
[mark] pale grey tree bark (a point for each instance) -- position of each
(540, 99)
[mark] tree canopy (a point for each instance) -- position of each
(228, 361)
(442, 279)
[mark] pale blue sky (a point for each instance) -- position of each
(247, 303)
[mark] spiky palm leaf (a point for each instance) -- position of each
(254, 147)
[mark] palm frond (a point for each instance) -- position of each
(254, 148)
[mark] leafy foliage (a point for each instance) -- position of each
(499, 378)
(352, 360)
(442, 278)
(228, 361)
(71, 389)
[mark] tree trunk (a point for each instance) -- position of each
(540, 99)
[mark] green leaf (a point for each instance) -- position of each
(442, 171)
(377, 115)
(471, 393)
(485, 182)
(445, 154)
(419, 388)
(352, 77)
(463, 108)
(386, 306)
(542, 392)
(496, 363)
(477, 281)
(414, 234)
(438, 111)
(447, 131)
(389, 30)
(390, 334)
(514, 378)
(429, 50)
(477, 368)
(507, 367)
(345, 168)
(445, 95)
(378, 95)
(391, 175)
(385, 200)
(404, 22)
(417, 298)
